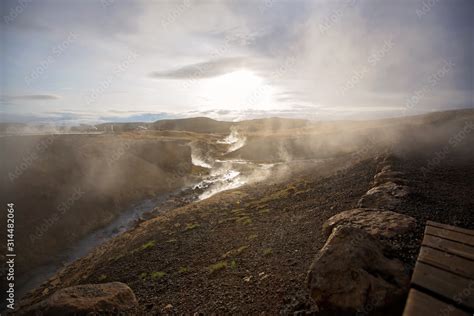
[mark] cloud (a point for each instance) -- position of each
(208, 69)
(73, 117)
(318, 57)
(34, 97)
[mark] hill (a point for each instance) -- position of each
(248, 250)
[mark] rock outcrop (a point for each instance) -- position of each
(388, 176)
(351, 274)
(388, 195)
(377, 223)
(389, 188)
(107, 298)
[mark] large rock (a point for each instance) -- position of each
(350, 274)
(86, 299)
(388, 195)
(382, 177)
(377, 223)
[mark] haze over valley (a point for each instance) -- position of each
(236, 157)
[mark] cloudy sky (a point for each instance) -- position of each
(124, 60)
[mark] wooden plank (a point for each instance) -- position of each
(419, 303)
(446, 261)
(449, 227)
(449, 246)
(451, 235)
(445, 284)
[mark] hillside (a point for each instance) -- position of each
(249, 249)
(67, 186)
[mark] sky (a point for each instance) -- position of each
(121, 60)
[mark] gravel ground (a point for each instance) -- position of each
(248, 250)
(443, 194)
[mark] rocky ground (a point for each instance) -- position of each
(443, 194)
(245, 250)
(249, 250)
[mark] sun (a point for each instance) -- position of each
(237, 90)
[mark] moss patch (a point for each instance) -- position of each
(157, 275)
(191, 226)
(221, 265)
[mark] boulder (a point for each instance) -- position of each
(386, 168)
(388, 195)
(389, 176)
(377, 223)
(350, 274)
(383, 167)
(106, 298)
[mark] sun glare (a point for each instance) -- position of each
(239, 89)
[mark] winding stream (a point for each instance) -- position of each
(228, 174)
(223, 175)
(122, 223)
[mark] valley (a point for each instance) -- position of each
(235, 216)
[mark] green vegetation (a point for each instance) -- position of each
(148, 245)
(102, 277)
(116, 257)
(281, 194)
(217, 266)
(143, 275)
(244, 220)
(191, 226)
(235, 252)
(183, 270)
(233, 264)
(264, 211)
(157, 275)
(240, 250)
(252, 237)
(267, 251)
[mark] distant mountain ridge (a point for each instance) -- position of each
(206, 125)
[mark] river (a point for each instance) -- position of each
(223, 175)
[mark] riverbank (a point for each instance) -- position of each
(248, 250)
(243, 250)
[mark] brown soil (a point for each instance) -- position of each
(248, 250)
(245, 250)
(72, 185)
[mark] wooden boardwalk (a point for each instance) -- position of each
(443, 280)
